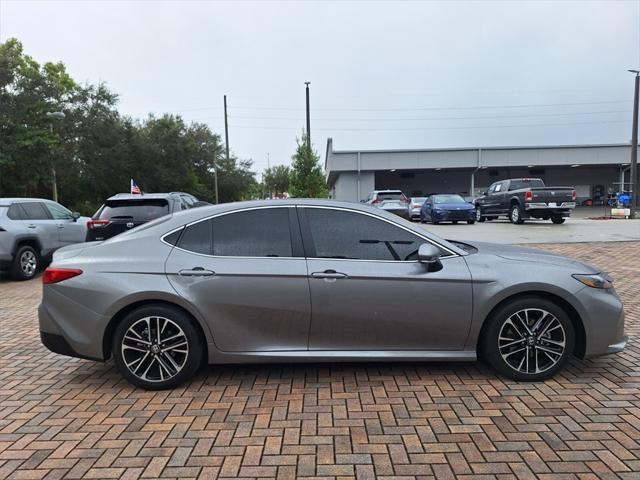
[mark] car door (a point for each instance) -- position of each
(245, 272)
(69, 229)
(369, 292)
(492, 200)
(39, 221)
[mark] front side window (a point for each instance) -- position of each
(58, 212)
(498, 187)
(350, 235)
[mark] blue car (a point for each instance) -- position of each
(448, 207)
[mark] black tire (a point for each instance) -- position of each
(434, 221)
(179, 323)
(479, 216)
(26, 263)
(515, 214)
(455, 222)
(493, 331)
(422, 220)
(558, 220)
(495, 217)
(471, 222)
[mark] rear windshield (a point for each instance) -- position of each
(526, 183)
(390, 196)
(134, 209)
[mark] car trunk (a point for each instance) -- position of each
(117, 216)
(552, 194)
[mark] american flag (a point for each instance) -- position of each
(135, 188)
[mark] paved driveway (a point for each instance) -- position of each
(70, 418)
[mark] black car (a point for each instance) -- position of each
(125, 211)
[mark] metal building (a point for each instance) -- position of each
(592, 169)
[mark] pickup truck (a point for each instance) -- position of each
(522, 198)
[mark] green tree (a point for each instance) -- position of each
(306, 178)
(276, 179)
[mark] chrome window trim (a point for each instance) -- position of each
(452, 254)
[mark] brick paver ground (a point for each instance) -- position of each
(69, 418)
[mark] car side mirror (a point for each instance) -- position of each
(75, 216)
(429, 255)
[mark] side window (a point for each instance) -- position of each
(263, 232)
(351, 235)
(15, 212)
(498, 187)
(35, 211)
(197, 238)
(58, 212)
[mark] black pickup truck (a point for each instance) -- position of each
(522, 198)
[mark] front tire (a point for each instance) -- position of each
(528, 339)
(515, 214)
(471, 222)
(25, 263)
(479, 217)
(157, 347)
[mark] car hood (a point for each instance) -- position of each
(454, 206)
(533, 256)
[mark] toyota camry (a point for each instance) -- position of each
(318, 280)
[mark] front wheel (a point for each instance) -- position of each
(471, 222)
(157, 347)
(528, 339)
(557, 220)
(479, 216)
(515, 214)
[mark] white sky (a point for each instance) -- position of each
(384, 75)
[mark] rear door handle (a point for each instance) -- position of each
(329, 274)
(31, 226)
(196, 272)
(60, 226)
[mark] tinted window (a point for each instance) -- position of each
(197, 238)
(134, 209)
(15, 212)
(341, 234)
(253, 233)
(35, 211)
(526, 183)
(391, 196)
(172, 239)
(58, 212)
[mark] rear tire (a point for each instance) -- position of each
(157, 347)
(515, 214)
(558, 220)
(532, 353)
(26, 263)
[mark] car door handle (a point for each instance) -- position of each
(196, 272)
(329, 274)
(60, 226)
(32, 226)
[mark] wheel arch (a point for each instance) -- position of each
(31, 241)
(107, 338)
(515, 201)
(576, 320)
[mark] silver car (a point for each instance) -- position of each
(317, 280)
(31, 229)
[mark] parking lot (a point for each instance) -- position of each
(71, 418)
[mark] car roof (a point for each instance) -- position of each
(11, 200)
(145, 196)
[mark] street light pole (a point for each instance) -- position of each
(54, 182)
(634, 150)
(308, 119)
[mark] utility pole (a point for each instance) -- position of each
(634, 150)
(308, 119)
(54, 181)
(226, 127)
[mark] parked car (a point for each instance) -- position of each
(31, 229)
(447, 207)
(522, 198)
(415, 205)
(392, 201)
(318, 280)
(125, 211)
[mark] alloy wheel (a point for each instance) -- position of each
(515, 214)
(532, 341)
(28, 263)
(478, 214)
(155, 349)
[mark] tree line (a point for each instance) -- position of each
(92, 151)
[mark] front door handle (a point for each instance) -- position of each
(60, 226)
(196, 272)
(31, 226)
(329, 274)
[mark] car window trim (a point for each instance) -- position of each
(291, 228)
(309, 245)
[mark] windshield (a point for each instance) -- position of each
(440, 199)
(139, 210)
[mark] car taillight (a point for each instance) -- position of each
(573, 195)
(55, 275)
(528, 196)
(93, 224)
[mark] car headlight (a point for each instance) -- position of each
(598, 280)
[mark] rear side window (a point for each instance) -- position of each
(197, 238)
(15, 212)
(144, 210)
(35, 211)
(526, 183)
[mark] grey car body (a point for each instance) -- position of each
(41, 224)
(309, 303)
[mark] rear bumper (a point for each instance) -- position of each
(58, 344)
(402, 212)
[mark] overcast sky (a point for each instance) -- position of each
(383, 75)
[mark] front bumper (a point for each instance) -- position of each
(453, 215)
(603, 320)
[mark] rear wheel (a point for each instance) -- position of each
(515, 214)
(157, 347)
(25, 263)
(558, 220)
(528, 339)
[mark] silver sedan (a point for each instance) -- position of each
(305, 280)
